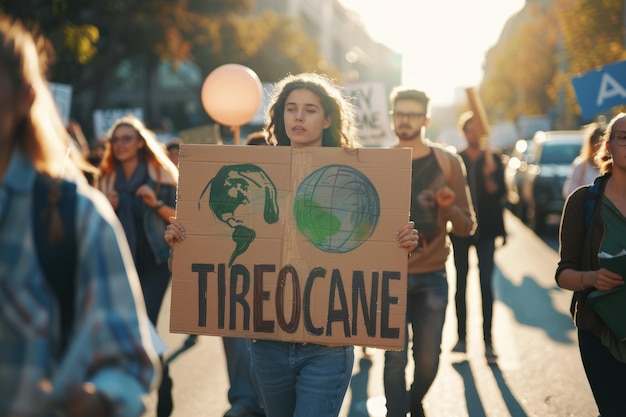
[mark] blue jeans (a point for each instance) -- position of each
(241, 389)
(426, 311)
(301, 380)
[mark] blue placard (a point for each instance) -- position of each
(600, 89)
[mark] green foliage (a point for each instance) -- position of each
(529, 72)
(592, 36)
(81, 40)
(92, 37)
(520, 67)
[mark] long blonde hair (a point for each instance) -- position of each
(593, 134)
(154, 151)
(41, 134)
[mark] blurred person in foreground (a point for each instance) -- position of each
(139, 179)
(439, 195)
(485, 177)
(585, 232)
(305, 379)
(584, 168)
(103, 362)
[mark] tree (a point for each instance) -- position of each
(521, 66)
(592, 37)
(271, 44)
(93, 37)
(529, 71)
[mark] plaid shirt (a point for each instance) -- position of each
(110, 344)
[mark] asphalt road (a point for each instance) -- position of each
(539, 372)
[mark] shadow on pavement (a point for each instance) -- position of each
(550, 236)
(472, 399)
(514, 407)
(533, 306)
(358, 389)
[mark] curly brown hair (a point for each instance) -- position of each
(341, 133)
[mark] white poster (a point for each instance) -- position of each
(103, 119)
(372, 111)
(62, 95)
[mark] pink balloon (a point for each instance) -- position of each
(232, 94)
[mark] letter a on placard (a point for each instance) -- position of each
(609, 88)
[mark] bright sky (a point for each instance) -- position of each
(443, 42)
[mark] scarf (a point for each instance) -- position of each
(129, 202)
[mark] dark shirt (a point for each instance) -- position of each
(487, 206)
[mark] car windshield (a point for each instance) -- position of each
(559, 153)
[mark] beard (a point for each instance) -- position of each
(405, 133)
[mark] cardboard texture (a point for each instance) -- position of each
(202, 134)
(298, 245)
(476, 105)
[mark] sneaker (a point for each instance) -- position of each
(460, 347)
(239, 410)
(490, 354)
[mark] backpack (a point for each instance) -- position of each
(54, 214)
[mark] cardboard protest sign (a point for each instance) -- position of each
(480, 115)
(202, 134)
(292, 244)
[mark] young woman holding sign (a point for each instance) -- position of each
(305, 379)
(140, 182)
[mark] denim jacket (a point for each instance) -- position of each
(154, 225)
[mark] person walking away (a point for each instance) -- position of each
(74, 334)
(585, 231)
(305, 379)
(584, 168)
(439, 194)
(140, 180)
(485, 177)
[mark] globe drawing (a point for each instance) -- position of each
(336, 208)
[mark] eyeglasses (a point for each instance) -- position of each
(122, 139)
(620, 137)
(411, 115)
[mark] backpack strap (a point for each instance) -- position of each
(443, 161)
(54, 214)
(591, 198)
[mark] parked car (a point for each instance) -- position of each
(514, 173)
(548, 165)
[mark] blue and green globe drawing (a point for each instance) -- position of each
(337, 208)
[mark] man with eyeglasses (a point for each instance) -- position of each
(439, 194)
